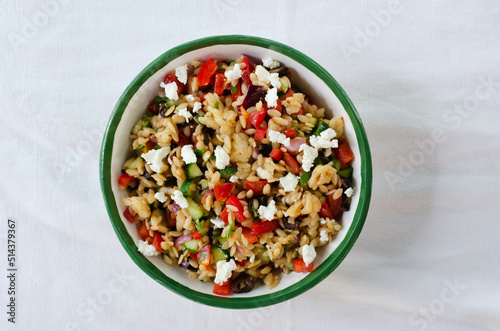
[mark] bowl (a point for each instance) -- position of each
(306, 73)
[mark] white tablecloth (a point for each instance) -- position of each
(425, 80)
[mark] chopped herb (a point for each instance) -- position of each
(167, 251)
(200, 228)
(234, 89)
(197, 120)
(321, 127)
(231, 229)
(296, 130)
(228, 171)
(158, 99)
(233, 63)
(283, 86)
(304, 178)
(216, 104)
(157, 147)
(213, 157)
(145, 124)
(148, 114)
(198, 152)
(138, 149)
(221, 67)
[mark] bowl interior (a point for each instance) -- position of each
(116, 149)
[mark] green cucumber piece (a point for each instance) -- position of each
(134, 163)
(221, 239)
(313, 120)
(320, 128)
(204, 184)
(219, 254)
(194, 171)
(192, 245)
(194, 209)
(228, 171)
(198, 152)
(200, 228)
(304, 178)
(253, 207)
(188, 187)
(346, 173)
(261, 256)
(288, 265)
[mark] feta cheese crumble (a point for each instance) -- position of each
(275, 80)
(263, 173)
(324, 220)
(189, 97)
(349, 192)
(270, 63)
(221, 157)
(196, 107)
(233, 74)
(262, 74)
(185, 113)
(310, 154)
(289, 182)
(308, 254)
(170, 90)
(272, 97)
(182, 74)
(155, 158)
(188, 154)
(224, 271)
(218, 222)
(160, 196)
(233, 179)
(268, 212)
(179, 199)
(278, 137)
(324, 140)
(146, 249)
(323, 236)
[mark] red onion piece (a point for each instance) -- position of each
(182, 239)
(255, 153)
(295, 144)
(176, 208)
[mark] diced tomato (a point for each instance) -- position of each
(157, 240)
(260, 133)
(220, 82)
(289, 94)
(245, 76)
(300, 266)
(196, 234)
(183, 140)
(250, 237)
(128, 215)
(344, 153)
(259, 116)
(224, 215)
(202, 97)
(194, 256)
(334, 205)
(207, 71)
(204, 256)
(142, 231)
(233, 201)
(170, 77)
(223, 289)
(279, 105)
(264, 226)
(291, 162)
(241, 263)
(290, 133)
(325, 211)
(256, 186)
(249, 65)
(170, 219)
(276, 154)
(208, 193)
(222, 191)
(236, 95)
(124, 180)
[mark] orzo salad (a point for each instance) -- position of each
(235, 174)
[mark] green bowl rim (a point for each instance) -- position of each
(291, 291)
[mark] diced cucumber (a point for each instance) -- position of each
(346, 173)
(188, 187)
(198, 152)
(313, 120)
(253, 207)
(304, 178)
(194, 171)
(192, 245)
(195, 211)
(221, 239)
(320, 128)
(200, 228)
(134, 163)
(261, 256)
(204, 184)
(228, 171)
(219, 254)
(288, 265)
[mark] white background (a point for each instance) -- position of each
(427, 258)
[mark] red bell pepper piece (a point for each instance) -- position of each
(259, 116)
(208, 193)
(207, 71)
(170, 77)
(223, 289)
(264, 226)
(276, 154)
(289, 94)
(279, 105)
(291, 162)
(170, 219)
(220, 82)
(290, 133)
(250, 237)
(256, 186)
(260, 133)
(196, 235)
(248, 64)
(183, 140)
(124, 180)
(204, 256)
(334, 205)
(233, 201)
(235, 96)
(224, 215)
(300, 266)
(245, 76)
(142, 231)
(325, 211)
(157, 240)
(344, 153)
(128, 215)
(222, 191)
